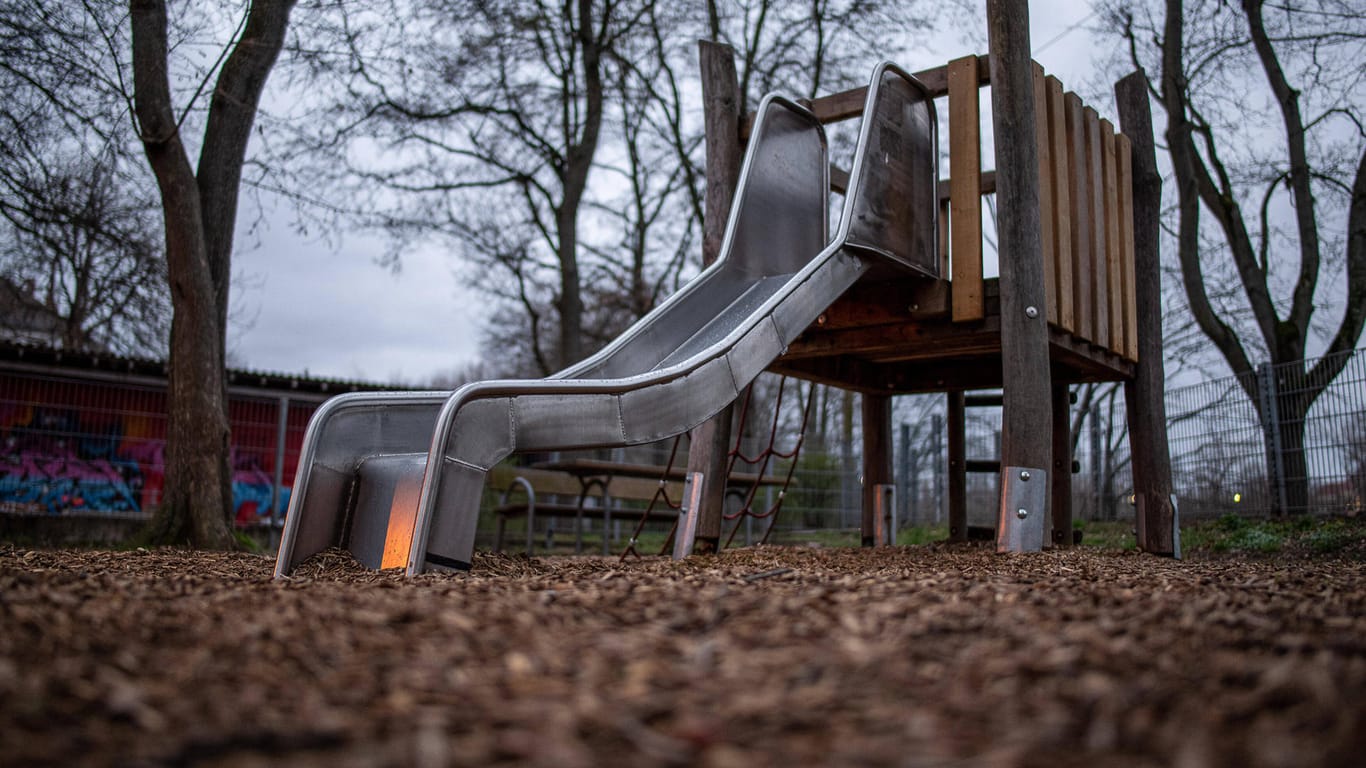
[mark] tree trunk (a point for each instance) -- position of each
(570, 304)
(1292, 394)
(1294, 464)
(578, 164)
(199, 214)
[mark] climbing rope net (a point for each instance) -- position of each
(757, 466)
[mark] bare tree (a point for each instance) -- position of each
(78, 237)
(817, 47)
(489, 118)
(199, 208)
(84, 72)
(656, 217)
(86, 243)
(553, 143)
(1266, 137)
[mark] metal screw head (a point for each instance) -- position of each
(1024, 475)
(1031, 312)
(1022, 513)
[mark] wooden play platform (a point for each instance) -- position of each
(879, 337)
(1077, 202)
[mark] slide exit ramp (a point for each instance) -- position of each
(396, 478)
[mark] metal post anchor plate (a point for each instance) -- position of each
(1020, 525)
(687, 515)
(884, 515)
(1176, 529)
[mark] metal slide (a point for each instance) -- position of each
(396, 478)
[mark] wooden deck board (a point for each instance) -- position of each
(873, 340)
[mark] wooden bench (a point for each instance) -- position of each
(534, 484)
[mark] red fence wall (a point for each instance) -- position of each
(97, 447)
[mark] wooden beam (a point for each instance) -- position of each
(709, 444)
(986, 186)
(1123, 154)
(843, 372)
(901, 341)
(1061, 204)
(965, 374)
(1087, 361)
(965, 202)
(839, 179)
(1145, 395)
(845, 105)
(1026, 419)
(1073, 362)
(884, 302)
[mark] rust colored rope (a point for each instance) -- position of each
(764, 458)
(661, 495)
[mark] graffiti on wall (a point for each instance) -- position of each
(65, 460)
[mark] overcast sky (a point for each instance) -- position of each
(330, 310)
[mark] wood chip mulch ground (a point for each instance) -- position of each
(923, 656)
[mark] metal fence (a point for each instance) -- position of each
(1231, 454)
(1251, 445)
(79, 445)
(1273, 439)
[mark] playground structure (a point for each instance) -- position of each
(894, 303)
(893, 335)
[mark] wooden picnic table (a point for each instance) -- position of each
(608, 480)
(586, 469)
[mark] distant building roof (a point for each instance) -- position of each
(16, 354)
(25, 319)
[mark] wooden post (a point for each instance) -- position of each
(1144, 397)
(1027, 410)
(1123, 154)
(958, 467)
(1114, 267)
(1060, 480)
(877, 456)
(709, 444)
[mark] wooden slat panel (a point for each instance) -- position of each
(965, 169)
(1047, 236)
(1079, 188)
(1113, 265)
(1126, 244)
(1095, 174)
(1062, 204)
